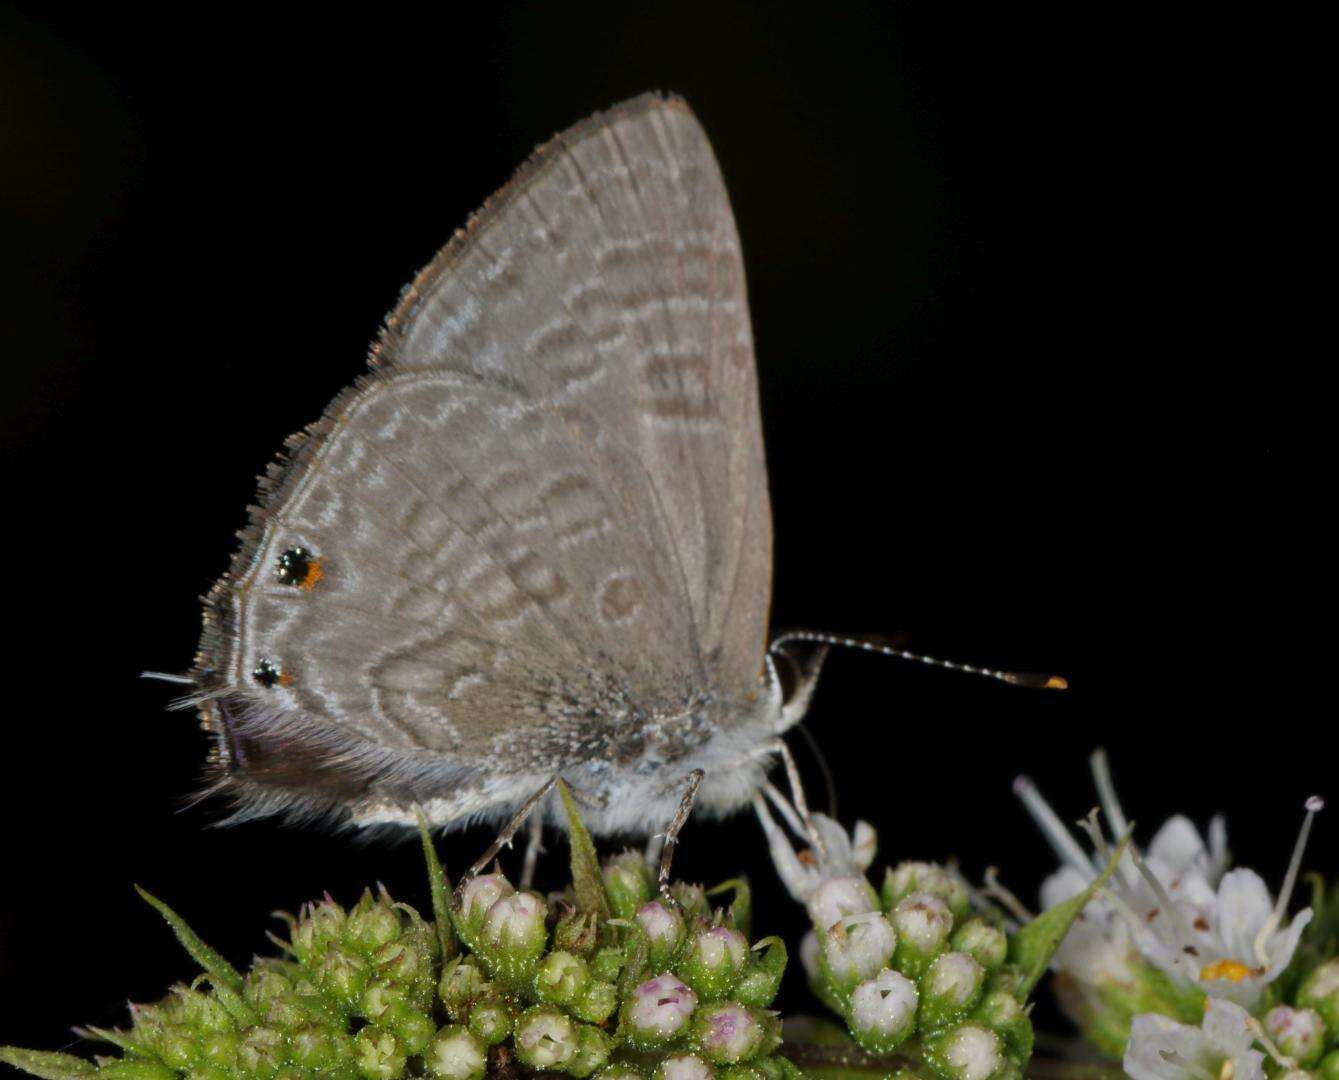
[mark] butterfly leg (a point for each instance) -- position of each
(534, 848)
(796, 809)
(505, 837)
(694, 781)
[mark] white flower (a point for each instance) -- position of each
(1221, 1047)
(1174, 907)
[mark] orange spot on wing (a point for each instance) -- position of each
(285, 679)
(314, 574)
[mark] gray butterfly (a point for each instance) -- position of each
(535, 539)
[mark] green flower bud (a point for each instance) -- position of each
(970, 1052)
(399, 962)
(924, 877)
(593, 1048)
(883, 1011)
(286, 1014)
(492, 1020)
(762, 976)
(619, 1071)
(383, 1001)
(457, 1054)
(1328, 1069)
(741, 1072)
(378, 1054)
(176, 1046)
(1320, 991)
(461, 983)
(576, 933)
(343, 975)
(857, 948)
(264, 985)
(371, 925)
(684, 1067)
(628, 881)
(713, 961)
(207, 1072)
(985, 944)
(414, 1029)
(545, 1038)
(219, 1048)
(1299, 1033)
(318, 926)
(923, 923)
(561, 978)
(692, 899)
(657, 1012)
(1000, 1011)
(950, 989)
(262, 1050)
(606, 963)
(597, 1003)
(136, 1069)
(664, 931)
(318, 1047)
(727, 1033)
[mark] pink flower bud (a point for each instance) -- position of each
(727, 1033)
(663, 926)
(660, 1008)
(481, 893)
(516, 921)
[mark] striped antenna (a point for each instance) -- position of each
(1013, 678)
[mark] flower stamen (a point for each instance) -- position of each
(1314, 805)
(1053, 828)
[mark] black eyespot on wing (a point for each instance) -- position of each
(294, 566)
(266, 674)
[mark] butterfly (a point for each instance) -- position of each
(534, 540)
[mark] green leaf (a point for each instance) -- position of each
(220, 971)
(1033, 946)
(222, 975)
(440, 887)
(587, 881)
(47, 1064)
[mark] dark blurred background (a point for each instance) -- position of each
(1034, 308)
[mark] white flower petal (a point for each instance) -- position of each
(1281, 946)
(1153, 1040)
(1228, 1027)
(1243, 906)
(1177, 846)
(1061, 886)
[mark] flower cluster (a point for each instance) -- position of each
(1180, 966)
(909, 967)
(605, 978)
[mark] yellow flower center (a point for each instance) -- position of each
(1232, 970)
(1227, 1071)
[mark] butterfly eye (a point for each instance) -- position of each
(267, 674)
(300, 568)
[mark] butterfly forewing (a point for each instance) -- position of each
(539, 523)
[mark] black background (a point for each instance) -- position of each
(1034, 314)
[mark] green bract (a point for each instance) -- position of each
(600, 979)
